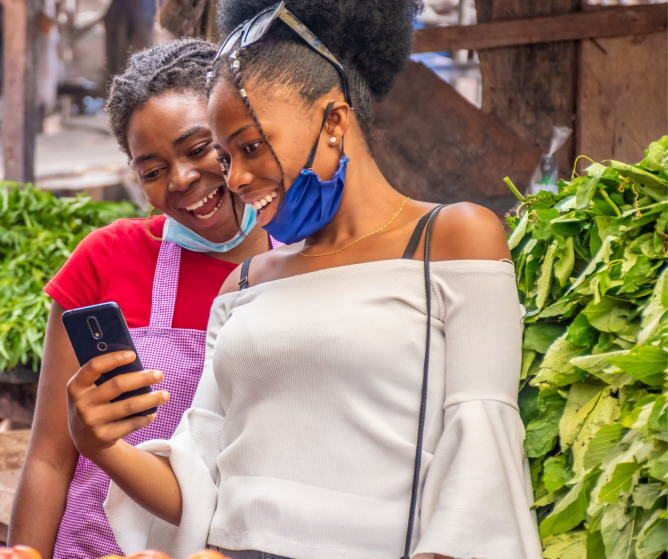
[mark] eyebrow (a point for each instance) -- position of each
(235, 134)
(183, 137)
(146, 157)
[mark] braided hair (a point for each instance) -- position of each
(177, 66)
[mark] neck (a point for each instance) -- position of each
(367, 203)
(256, 242)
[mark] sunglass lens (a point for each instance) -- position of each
(230, 42)
(258, 28)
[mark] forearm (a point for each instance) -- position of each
(146, 478)
(39, 506)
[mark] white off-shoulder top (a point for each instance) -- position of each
(300, 441)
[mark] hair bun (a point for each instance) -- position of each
(372, 35)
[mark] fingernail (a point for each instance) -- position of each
(158, 375)
(165, 396)
(128, 355)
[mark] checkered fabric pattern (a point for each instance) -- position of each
(179, 353)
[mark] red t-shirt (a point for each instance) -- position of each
(117, 263)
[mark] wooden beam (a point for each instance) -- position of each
(608, 22)
(20, 118)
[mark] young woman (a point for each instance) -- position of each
(301, 439)
(157, 111)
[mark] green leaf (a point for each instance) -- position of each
(618, 528)
(556, 368)
(581, 333)
(645, 363)
(653, 537)
(606, 411)
(556, 473)
(605, 440)
(569, 510)
(655, 155)
(541, 433)
(572, 545)
(519, 232)
(545, 278)
(607, 316)
(602, 257)
(581, 400)
(622, 481)
(564, 266)
(539, 337)
(585, 191)
(646, 495)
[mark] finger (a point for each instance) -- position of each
(97, 366)
(120, 410)
(119, 429)
(121, 384)
(84, 380)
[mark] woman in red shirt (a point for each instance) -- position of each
(163, 272)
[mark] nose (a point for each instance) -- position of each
(238, 177)
(182, 177)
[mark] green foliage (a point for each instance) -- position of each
(591, 269)
(38, 232)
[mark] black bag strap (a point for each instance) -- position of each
(431, 216)
(243, 281)
(311, 157)
(415, 237)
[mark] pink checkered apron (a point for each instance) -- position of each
(179, 353)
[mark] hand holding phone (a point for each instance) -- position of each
(98, 419)
(110, 396)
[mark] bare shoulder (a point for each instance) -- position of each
(259, 267)
(232, 282)
(466, 231)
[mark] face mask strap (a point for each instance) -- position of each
(311, 157)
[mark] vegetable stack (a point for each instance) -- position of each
(38, 232)
(591, 269)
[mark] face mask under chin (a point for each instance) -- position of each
(310, 203)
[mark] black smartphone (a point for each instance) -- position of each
(100, 329)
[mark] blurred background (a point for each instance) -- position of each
(495, 87)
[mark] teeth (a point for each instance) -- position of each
(274, 194)
(257, 205)
(263, 202)
(269, 198)
(207, 216)
(202, 201)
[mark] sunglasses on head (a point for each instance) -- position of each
(252, 30)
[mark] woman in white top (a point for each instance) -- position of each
(301, 439)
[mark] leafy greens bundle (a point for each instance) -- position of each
(591, 269)
(38, 232)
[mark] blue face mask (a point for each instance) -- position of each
(310, 203)
(178, 233)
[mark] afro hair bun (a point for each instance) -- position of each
(372, 35)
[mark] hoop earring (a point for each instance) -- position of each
(148, 231)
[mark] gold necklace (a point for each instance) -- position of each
(301, 252)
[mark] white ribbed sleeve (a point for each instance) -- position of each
(318, 380)
(193, 459)
(477, 495)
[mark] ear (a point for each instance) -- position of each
(337, 123)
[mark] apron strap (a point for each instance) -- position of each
(165, 285)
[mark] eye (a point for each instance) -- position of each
(199, 150)
(251, 147)
(225, 163)
(151, 175)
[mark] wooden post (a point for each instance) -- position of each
(531, 88)
(20, 118)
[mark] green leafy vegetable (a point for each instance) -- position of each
(38, 232)
(591, 270)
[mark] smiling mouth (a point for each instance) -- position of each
(261, 204)
(208, 206)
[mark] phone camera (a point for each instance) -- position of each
(102, 346)
(94, 326)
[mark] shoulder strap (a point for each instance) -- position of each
(431, 216)
(243, 282)
(416, 236)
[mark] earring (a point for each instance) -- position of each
(332, 140)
